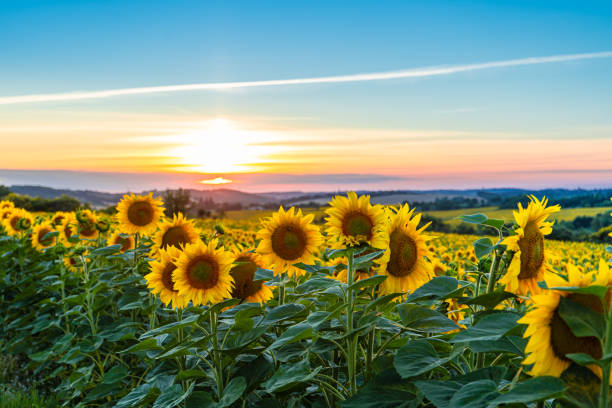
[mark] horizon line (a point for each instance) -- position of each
(362, 77)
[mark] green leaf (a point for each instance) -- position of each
(170, 327)
(599, 291)
(298, 332)
(418, 317)
(172, 396)
(115, 374)
(415, 358)
(367, 258)
(581, 358)
(232, 392)
(263, 274)
(532, 390)
(200, 399)
(381, 301)
(135, 397)
(483, 247)
(439, 393)
(490, 327)
(290, 375)
(474, 218)
(282, 312)
(437, 288)
(476, 394)
(488, 300)
(189, 374)
(148, 344)
(368, 282)
(104, 251)
(582, 320)
(313, 285)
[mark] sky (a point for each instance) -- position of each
(310, 96)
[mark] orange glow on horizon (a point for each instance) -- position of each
(216, 181)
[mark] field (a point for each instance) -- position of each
(363, 309)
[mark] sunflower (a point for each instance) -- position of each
(530, 261)
(126, 241)
(404, 261)
(245, 287)
(439, 269)
(68, 229)
(550, 338)
(58, 218)
(202, 273)
(353, 221)
(6, 205)
(176, 232)
(74, 260)
(160, 279)
(87, 224)
(288, 237)
(17, 221)
(455, 311)
(341, 272)
(139, 214)
(38, 236)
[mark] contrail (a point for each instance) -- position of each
(374, 76)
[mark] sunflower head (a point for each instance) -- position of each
(87, 224)
(246, 287)
(139, 213)
(40, 240)
(353, 221)
(6, 205)
(287, 238)
(126, 241)
(160, 279)
(530, 261)
(550, 337)
(404, 261)
(176, 232)
(68, 229)
(202, 273)
(18, 221)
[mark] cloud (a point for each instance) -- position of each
(375, 76)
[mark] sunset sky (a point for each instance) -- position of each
(272, 96)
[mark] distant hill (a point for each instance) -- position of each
(433, 199)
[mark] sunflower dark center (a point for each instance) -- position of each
(125, 243)
(68, 231)
(203, 272)
(289, 242)
(243, 274)
(14, 221)
(438, 270)
(532, 251)
(167, 277)
(87, 228)
(41, 235)
(58, 220)
(403, 254)
(175, 236)
(357, 224)
(562, 339)
(140, 213)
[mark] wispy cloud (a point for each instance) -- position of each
(375, 76)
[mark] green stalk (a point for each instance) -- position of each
(352, 340)
(605, 368)
(216, 354)
(281, 291)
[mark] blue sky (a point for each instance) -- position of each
(65, 46)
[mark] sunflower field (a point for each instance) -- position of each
(368, 310)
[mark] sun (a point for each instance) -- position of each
(220, 146)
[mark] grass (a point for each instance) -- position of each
(448, 215)
(568, 214)
(20, 399)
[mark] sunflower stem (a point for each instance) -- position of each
(281, 292)
(352, 339)
(216, 354)
(607, 350)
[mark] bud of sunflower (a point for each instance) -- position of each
(103, 225)
(24, 224)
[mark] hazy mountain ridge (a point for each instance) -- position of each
(100, 199)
